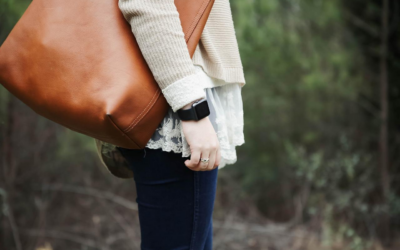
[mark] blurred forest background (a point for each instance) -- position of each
(320, 167)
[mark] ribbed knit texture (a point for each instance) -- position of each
(158, 31)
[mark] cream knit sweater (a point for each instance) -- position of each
(158, 31)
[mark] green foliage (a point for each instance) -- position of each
(301, 77)
(342, 181)
(306, 127)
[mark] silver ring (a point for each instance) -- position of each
(205, 160)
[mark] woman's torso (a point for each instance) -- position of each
(218, 54)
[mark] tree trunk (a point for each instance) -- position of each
(383, 137)
(383, 140)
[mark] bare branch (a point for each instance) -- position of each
(361, 24)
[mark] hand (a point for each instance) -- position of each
(203, 142)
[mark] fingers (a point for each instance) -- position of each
(211, 152)
(202, 166)
(217, 158)
(211, 162)
(194, 159)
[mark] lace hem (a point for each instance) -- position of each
(226, 116)
(173, 140)
(229, 129)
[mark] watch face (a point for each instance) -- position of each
(202, 109)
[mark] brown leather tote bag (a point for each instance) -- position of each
(77, 63)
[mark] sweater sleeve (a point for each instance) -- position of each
(158, 32)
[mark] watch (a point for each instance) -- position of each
(197, 111)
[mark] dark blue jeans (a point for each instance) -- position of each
(175, 203)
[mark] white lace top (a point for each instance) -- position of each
(226, 115)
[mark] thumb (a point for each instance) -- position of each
(187, 163)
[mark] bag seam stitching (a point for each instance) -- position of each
(144, 112)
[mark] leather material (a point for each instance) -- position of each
(77, 63)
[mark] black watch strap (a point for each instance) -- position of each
(197, 111)
(187, 114)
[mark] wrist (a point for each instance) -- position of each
(196, 111)
(187, 106)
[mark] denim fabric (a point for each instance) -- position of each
(175, 203)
